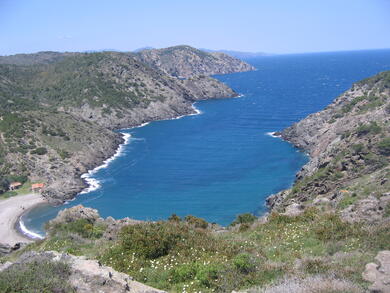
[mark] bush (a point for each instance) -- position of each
(39, 151)
(384, 146)
(372, 128)
(174, 218)
(152, 240)
(332, 228)
(357, 148)
(82, 227)
(244, 263)
(42, 276)
(196, 222)
(246, 218)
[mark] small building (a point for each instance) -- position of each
(15, 185)
(37, 187)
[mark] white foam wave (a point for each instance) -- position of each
(94, 184)
(272, 134)
(197, 111)
(27, 232)
(141, 125)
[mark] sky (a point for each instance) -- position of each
(272, 26)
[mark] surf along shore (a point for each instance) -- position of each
(12, 229)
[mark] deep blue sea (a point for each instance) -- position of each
(222, 163)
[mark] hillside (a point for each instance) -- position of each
(349, 146)
(329, 233)
(58, 112)
(185, 61)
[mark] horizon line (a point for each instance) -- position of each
(266, 54)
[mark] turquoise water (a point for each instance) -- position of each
(222, 162)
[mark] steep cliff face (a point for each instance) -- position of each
(349, 147)
(58, 111)
(185, 61)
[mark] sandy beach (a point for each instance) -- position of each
(10, 211)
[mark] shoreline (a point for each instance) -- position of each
(11, 211)
(92, 183)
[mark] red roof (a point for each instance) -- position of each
(37, 185)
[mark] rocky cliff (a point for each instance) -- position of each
(349, 147)
(185, 61)
(59, 110)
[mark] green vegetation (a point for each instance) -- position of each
(384, 146)
(39, 151)
(82, 227)
(174, 255)
(381, 81)
(371, 128)
(37, 276)
(348, 107)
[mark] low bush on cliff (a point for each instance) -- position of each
(371, 128)
(83, 227)
(384, 146)
(42, 276)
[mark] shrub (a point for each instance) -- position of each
(384, 146)
(64, 154)
(372, 128)
(208, 274)
(152, 240)
(357, 148)
(246, 218)
(332, 228)
(196, 222)
(42, 276)
(82, 227)
(39, 151)
(244, 263)
(314, 266)
(174, 218)
(346, 202)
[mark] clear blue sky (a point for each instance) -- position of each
(274, 26)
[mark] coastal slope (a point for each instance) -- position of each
(59, 112)
(349, 147)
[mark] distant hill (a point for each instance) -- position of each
(238, 54)
(186, 61)
(142, 49)
(44, 57)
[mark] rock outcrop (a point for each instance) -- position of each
(379, 273)
(111, 226)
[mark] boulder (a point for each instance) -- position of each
(75, 213)
(379, 274)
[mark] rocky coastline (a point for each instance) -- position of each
(344, 143)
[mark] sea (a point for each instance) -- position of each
(225, 160)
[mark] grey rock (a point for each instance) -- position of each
(379, 274)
